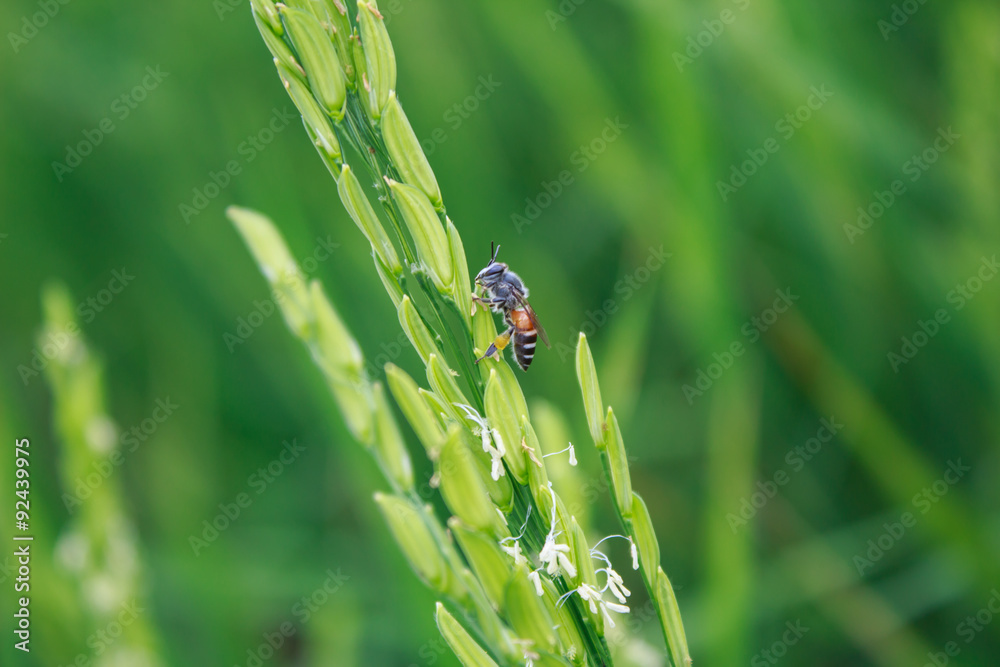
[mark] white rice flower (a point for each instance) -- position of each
(554, 555)
(616, 585)
(481, 428)
(499, 442)
(589, 594)
(496, 455)
(597, 602)
(535, 577)
(595, 598)
(512, 548)
(611, 606)
(570, 449)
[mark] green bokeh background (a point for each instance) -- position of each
(655, 184)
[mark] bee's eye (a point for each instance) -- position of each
(489, 272)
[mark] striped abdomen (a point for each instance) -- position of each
(525, 338)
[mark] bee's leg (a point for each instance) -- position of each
(493, 304)
(498, 344)
(478, 299)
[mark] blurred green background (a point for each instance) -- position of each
(507, 97)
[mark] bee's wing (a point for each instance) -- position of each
(534, 321)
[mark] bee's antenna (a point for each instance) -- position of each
(494, 249)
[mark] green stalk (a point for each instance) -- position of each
(357, 107)
(362, 137)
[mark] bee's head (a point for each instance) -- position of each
(491, 273)
(493, 270)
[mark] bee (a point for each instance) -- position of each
(505, 293)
